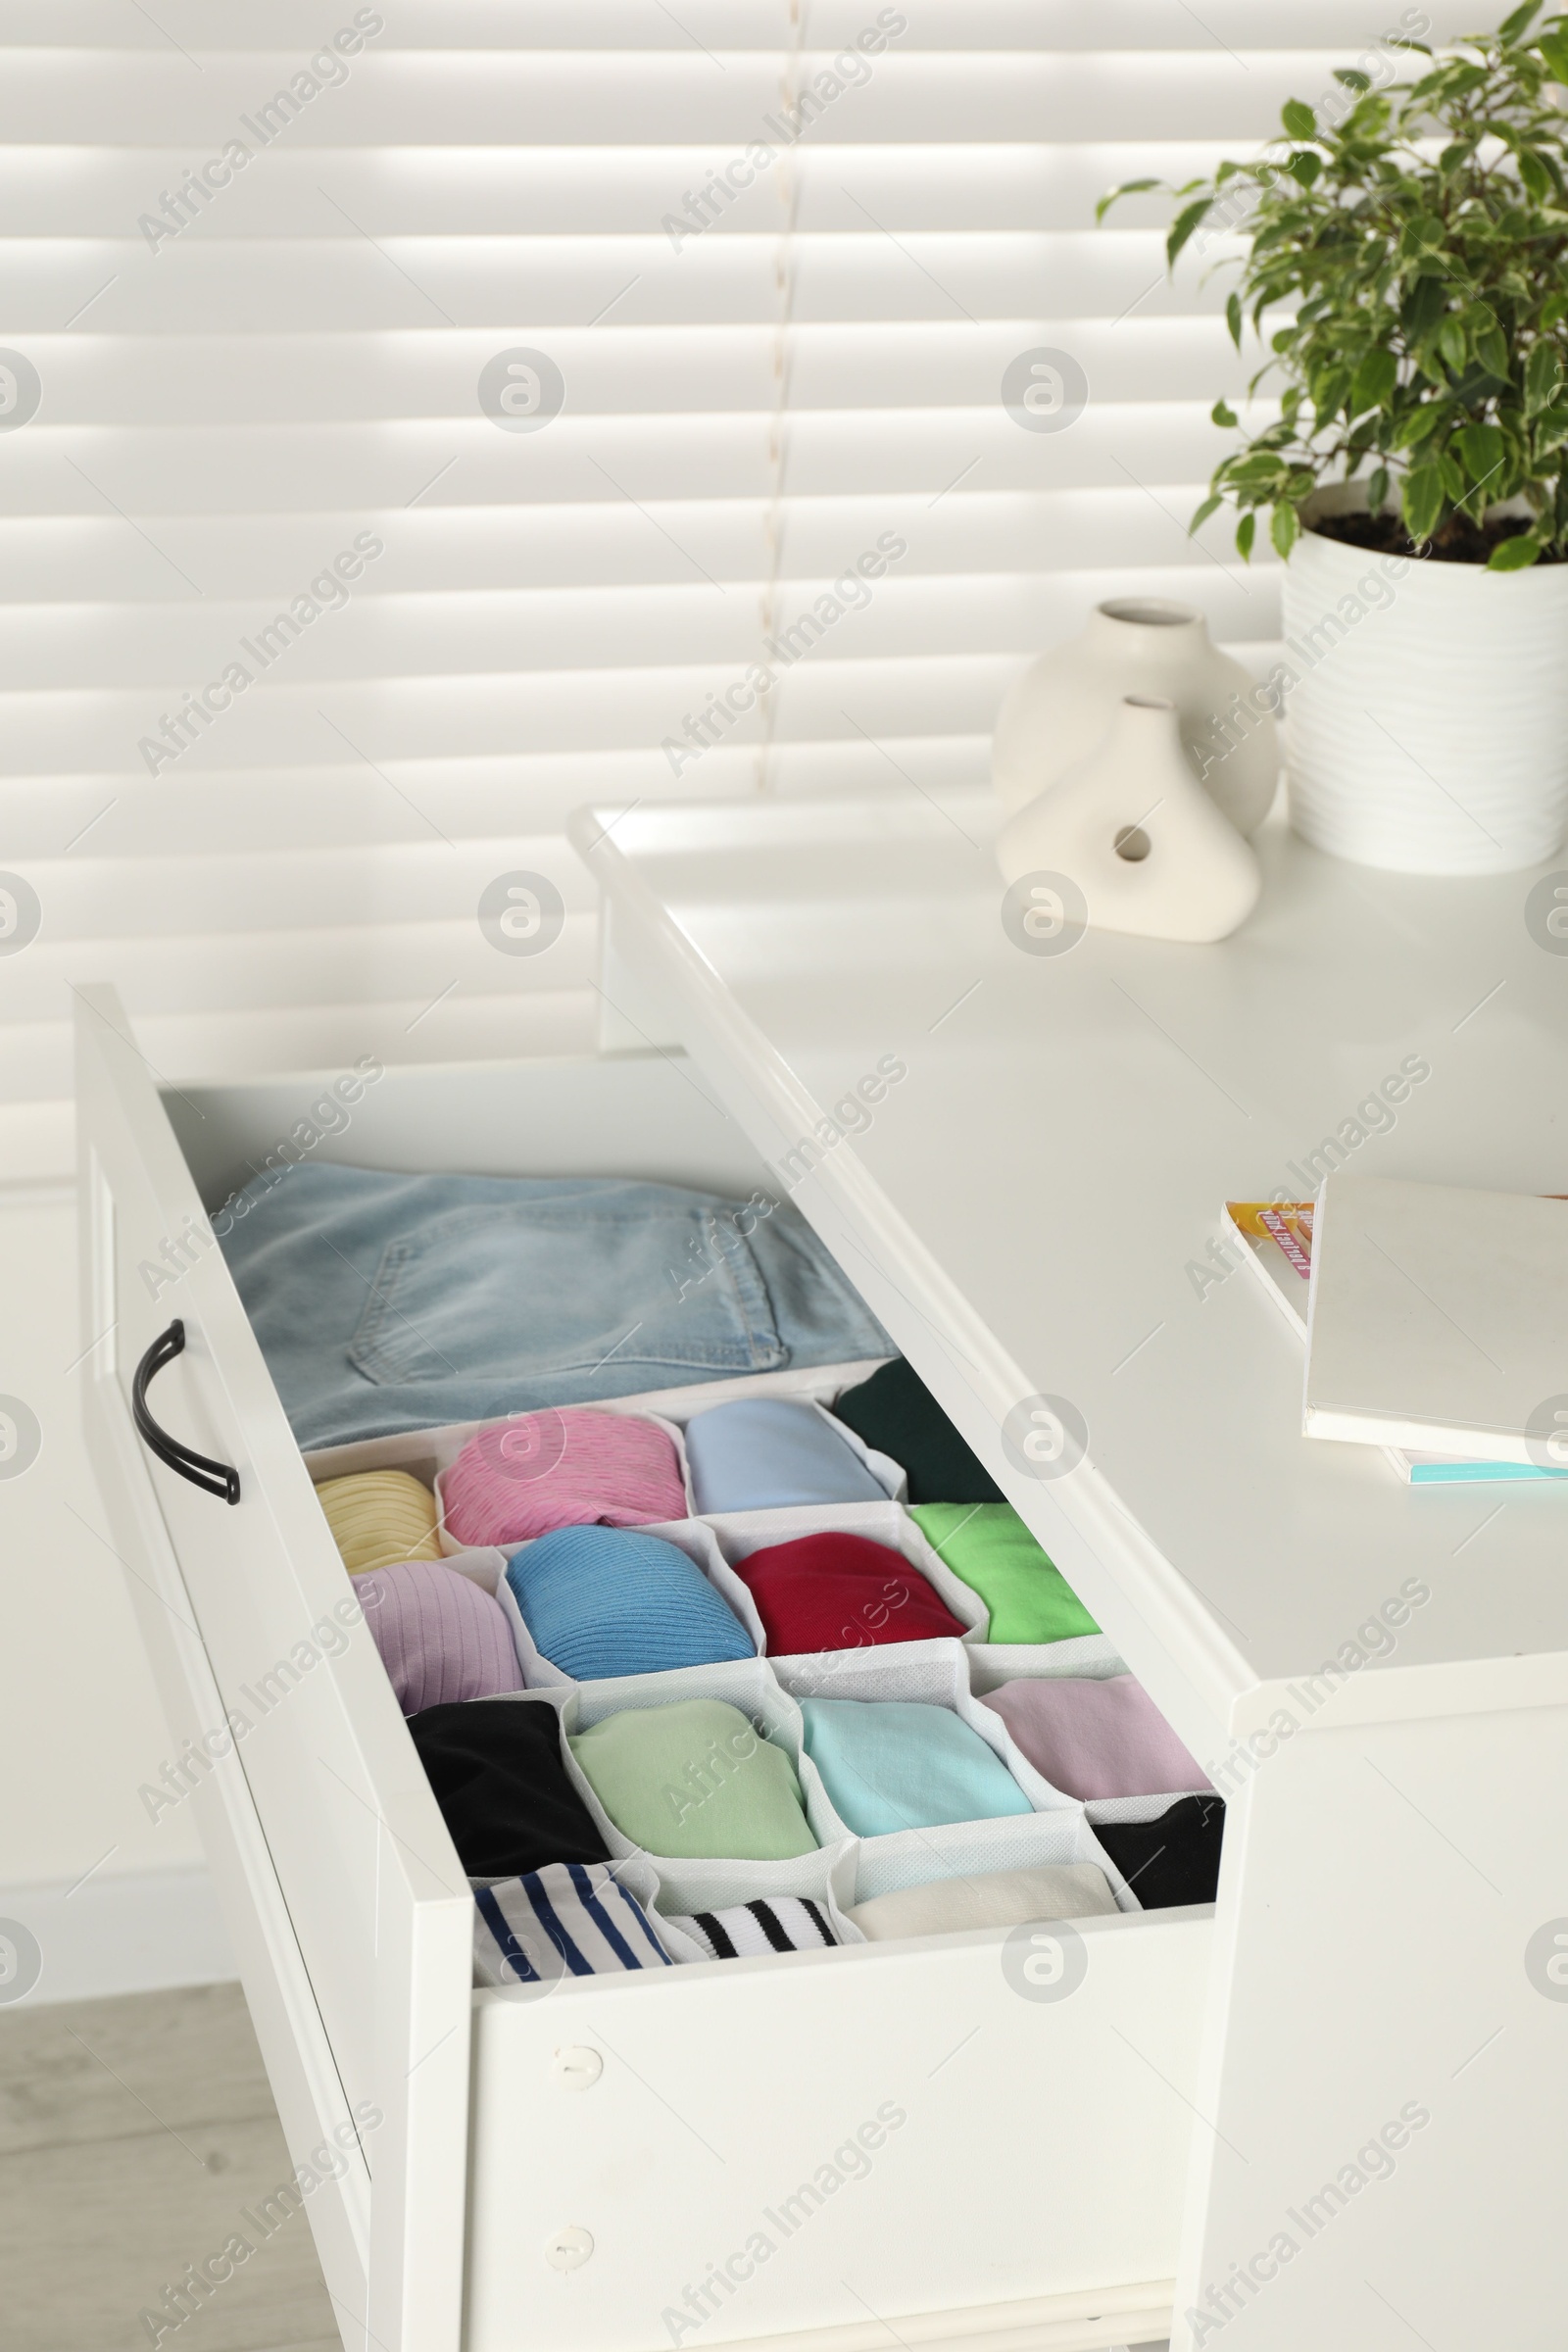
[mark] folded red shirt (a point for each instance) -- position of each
(839, 1592)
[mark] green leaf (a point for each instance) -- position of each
(1513, 26)
(1415, 424)
(1129, 187)
(1452, 342)
(1482, 448)
(1532, 172)
(1201, 515)
(1377, 490)
(1183, 227)
(1516, 554)
(1542, 376)
(1374, 381)
(1422, 502)
(1285, 529)
(1422, 308)
(1330, 392)
(1233, 318)
(1554, 47)
(1246, 533)
(1219, 414)
(1453, 156)
(1304, 166)
(1353, 81)
(1299, 121)
(1452, 475)
(1492, 350)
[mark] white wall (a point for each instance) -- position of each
(80, 1723)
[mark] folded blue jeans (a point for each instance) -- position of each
(387, 1302)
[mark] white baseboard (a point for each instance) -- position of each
(144, 1932)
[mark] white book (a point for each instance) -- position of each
(1437, 1319)
(1275, 1238)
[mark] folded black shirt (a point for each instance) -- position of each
(1174, 1859)
(502, 1783)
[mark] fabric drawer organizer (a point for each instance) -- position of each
(845, 1869)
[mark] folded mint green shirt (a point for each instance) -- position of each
(989, 1546)
(695, 1779)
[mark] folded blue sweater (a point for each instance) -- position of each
(762, 1453)
(609, 1600)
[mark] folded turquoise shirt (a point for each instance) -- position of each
(891, 1764)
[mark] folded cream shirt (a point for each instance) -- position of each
(1002, 1899)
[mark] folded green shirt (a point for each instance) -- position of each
(989, 1546)
(695, 1779)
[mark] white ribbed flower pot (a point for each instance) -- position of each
(1427, 726)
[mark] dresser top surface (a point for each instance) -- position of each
(1047, 1179)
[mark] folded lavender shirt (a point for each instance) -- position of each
(1097, 1739)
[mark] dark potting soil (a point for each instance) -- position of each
(1460, 541)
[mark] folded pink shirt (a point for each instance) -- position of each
(1097, 1739)
(562, 1467)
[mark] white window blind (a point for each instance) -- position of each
(257, 370)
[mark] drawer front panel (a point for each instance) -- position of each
(816, 2144)
(357, 1847)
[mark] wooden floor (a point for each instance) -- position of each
(131, 2133)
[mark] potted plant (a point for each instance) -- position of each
(1405, 269)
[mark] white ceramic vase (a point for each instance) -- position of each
(1133, 831)
(1427, 706)
(1059, 710)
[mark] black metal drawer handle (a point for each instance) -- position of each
(214, 1478)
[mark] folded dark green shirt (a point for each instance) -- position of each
(896, 1412)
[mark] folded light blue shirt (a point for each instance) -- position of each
(389, 1302)
(891, 1764)
(607, 1600)
(762, 1454)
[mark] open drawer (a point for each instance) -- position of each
(906, 2141)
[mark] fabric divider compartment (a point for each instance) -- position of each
(936, 1674)
(447, 1453)
(1140, 1808)
(931, 1674)
(695, 1538)
(686, 1883)
(976, 1849)
(747, 1684)
(480, 1564)
(889, 1475)
(826, 1878)
(741, 1533)
(636, 1876)
(426, 1452)
(677, 1888)
(993, 1663)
